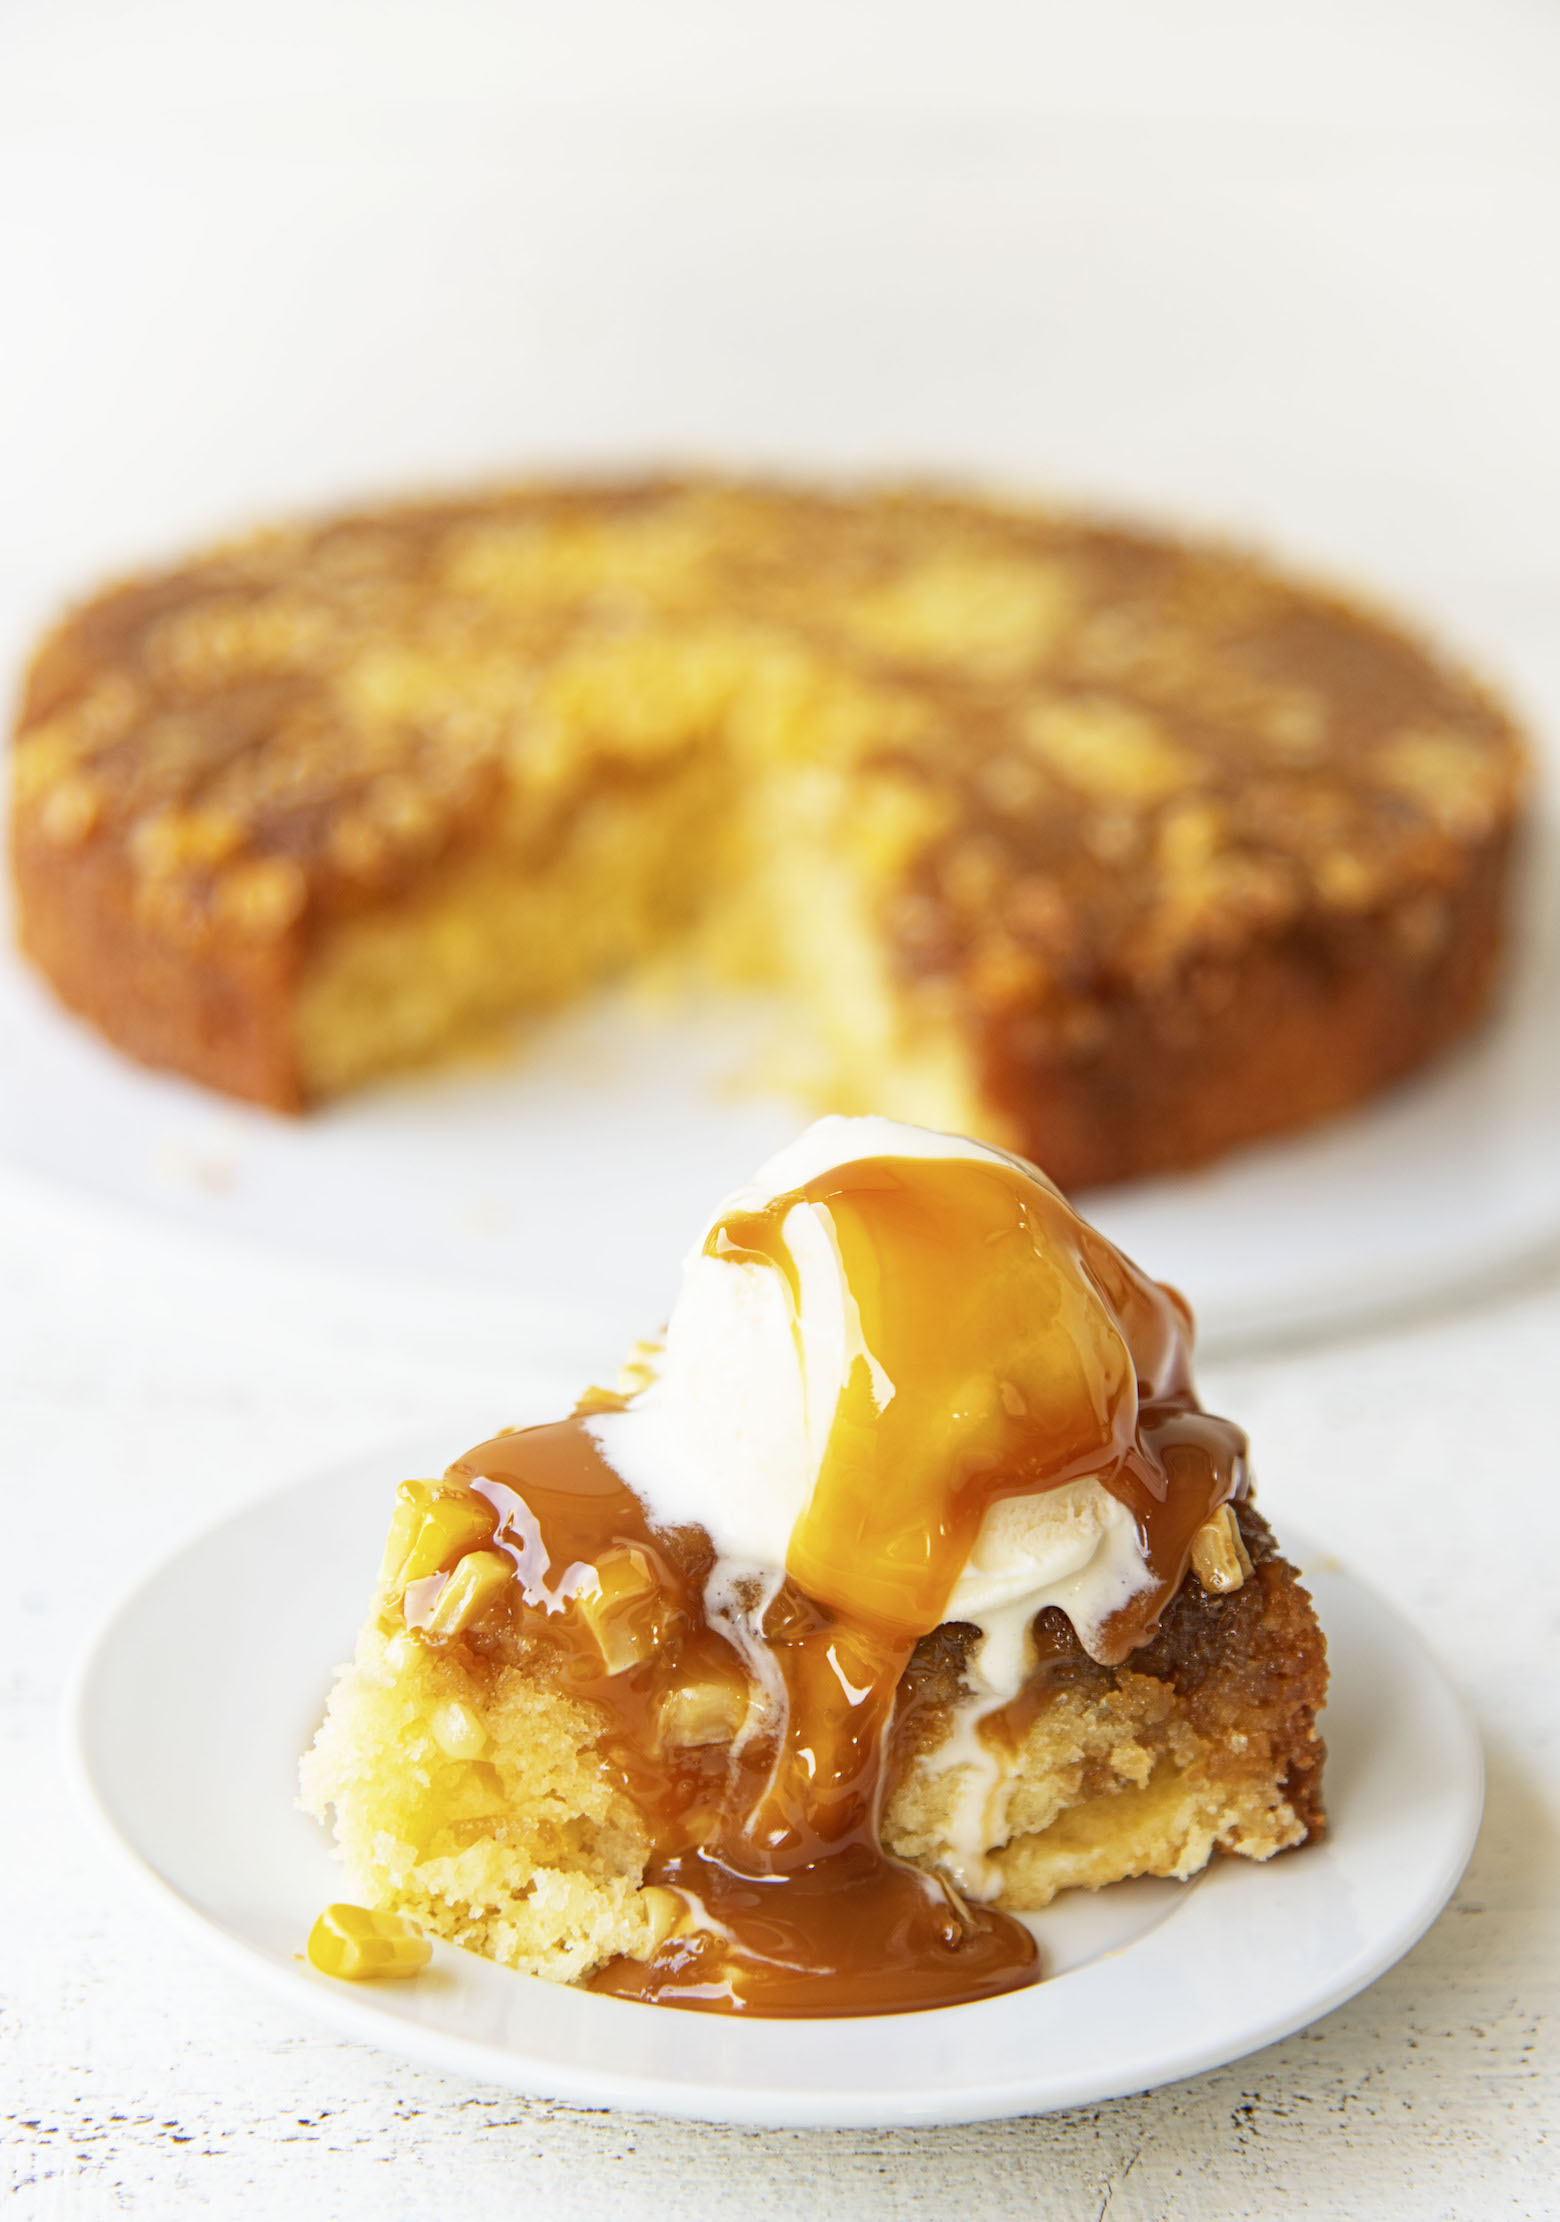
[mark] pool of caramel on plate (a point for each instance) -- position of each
(1005, 1348)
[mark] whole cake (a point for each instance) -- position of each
(1116, 850)
(904, 1585)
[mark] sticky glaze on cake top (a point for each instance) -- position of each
(1114, 849)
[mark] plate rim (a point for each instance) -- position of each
(535, 2074)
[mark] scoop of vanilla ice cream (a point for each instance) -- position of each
(731, 1433)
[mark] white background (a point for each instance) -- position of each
(1287, 271)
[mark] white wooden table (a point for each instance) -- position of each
(149, 1383)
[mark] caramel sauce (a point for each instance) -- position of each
(1003, 1348)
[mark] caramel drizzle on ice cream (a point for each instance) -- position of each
(997, 1347)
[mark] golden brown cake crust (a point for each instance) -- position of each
(1206, 854)
(1204, 1740)
(1252, 1659)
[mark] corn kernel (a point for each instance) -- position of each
(476, 1581)
(701, 1713)
(457, 1731)
(641, 1366)
(411, 1502)
(357, 1945)
(262, 898)
(668, 1915)
(623, 1610)
(431, 1525)
(71, 810)
(597, 1399)
(1219, 1556)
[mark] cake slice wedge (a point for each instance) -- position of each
(905, 1585)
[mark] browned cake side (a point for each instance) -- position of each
(1203, 1740)
(1157, 851)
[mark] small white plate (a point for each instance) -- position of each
(198, 1697)
(619, 1129)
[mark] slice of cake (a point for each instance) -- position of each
(1114, 850)
(905, 1585)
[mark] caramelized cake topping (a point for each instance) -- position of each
(1117, 849)
(997, 1349)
